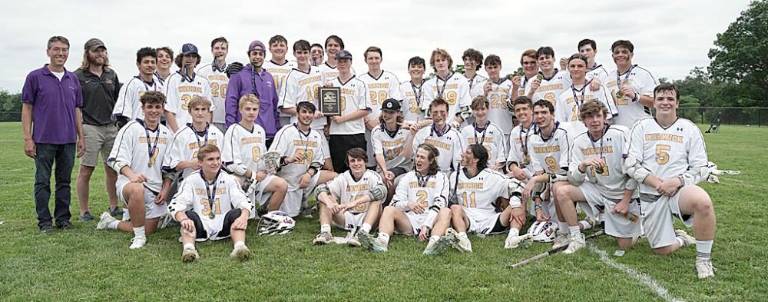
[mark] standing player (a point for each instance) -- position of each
(351, 200)
(128, 107)
(448, 86)
(588, 48)
(530, 65)
(301, 153)
(242, 154)
(442, 136)
(550, 82)
(216, 73)
(333, 45)
(667, 156)
(519, 158)
(317, 53)
(630, 85)
(486, 133)
(498, 90)
(211, 206)
(139, 150)
(164, 63)
(182, 86)
(381, 85)
(568, 106)
(420, 201)
(391, 144)
(412, 91)
(597, 154)
(279, 67)
(191, 137)
(473, 60)
(347, 130)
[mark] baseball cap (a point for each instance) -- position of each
(94, 44)
(390, 104)
(343, 54)
(256, 45)
(188, 48)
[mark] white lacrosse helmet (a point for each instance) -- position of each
(543, 231)
(276, 222)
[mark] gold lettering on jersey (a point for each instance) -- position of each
(546, 149)
(664, 137)
(193, 145)
(470, 185)
(161, 140)
(488, 140)
(547, 87)
(437, 144)
(415, 184)
(348, 91)
(250, 140)
(218, 77)
(190, 88)
(201, 191)
(378, 86)
(301, 143)
(596, 150)
(312, 79)
(393, 143)
(357, 188)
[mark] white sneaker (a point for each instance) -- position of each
(437, 246)
(463, 243)
(512, 241)
(366, 240)
(352, 240)
(323, 238)
(138, 242)
(241, 253)
(104, 220)
(560, 240)
(704, 268)
(189, 255)
(687, 239)
(576, 243)
(378, 246)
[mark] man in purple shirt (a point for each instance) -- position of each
(52, 125)
(253, 79)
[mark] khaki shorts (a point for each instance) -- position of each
(98, 139)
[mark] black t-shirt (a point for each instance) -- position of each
(99, 95)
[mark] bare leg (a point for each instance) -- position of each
(695, 201)
(458, 218)
(443, 222)
(110, 179)
(567, 197)
(278, 187)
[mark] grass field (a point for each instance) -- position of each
(85, 264)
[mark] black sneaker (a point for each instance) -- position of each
(86, 216)
(46, 229)
(65, 225)
(117, 212)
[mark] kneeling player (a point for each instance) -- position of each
(479, 191)
(210, 206)
(351, 200)
(598, 155)
(668, 158)
(242, 154)
(137, 155)
(420, 199)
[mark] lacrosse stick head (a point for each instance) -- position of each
(272, 161)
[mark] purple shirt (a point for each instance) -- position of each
(243, 83)
(54, 103)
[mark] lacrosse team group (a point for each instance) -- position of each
(209, 146)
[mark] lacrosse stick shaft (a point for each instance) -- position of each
(550, 252)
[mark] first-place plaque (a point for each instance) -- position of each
(330, 100)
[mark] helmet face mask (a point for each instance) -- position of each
(543, 231)
(275, 222)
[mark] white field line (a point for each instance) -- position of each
(639, 276)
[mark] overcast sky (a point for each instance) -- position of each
(670, 37)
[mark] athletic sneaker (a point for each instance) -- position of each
(437, 246)
(378, 246)
(46, 228)
(687, 239)
(366, 240)
(704, 268)
(352, 240)
(463, 244)
(512, 241)
(306, 212)
(560, 240)
(138, 242)
(241, 253)
(86, 216)
(323, 238)
(116, 212)
(577, 242)
(190, 255)
(104, 220)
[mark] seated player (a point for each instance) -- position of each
(442, 136)
(391, 143)
(597, 155)
(211, 206)
(301, 157)
(419, 202)
(351, 201)
(242, 154)
(482, 131)
(191, 137)
(479, 192)
(667, 157)
(140, 148)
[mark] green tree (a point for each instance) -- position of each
(10, 106)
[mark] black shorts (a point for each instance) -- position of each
(339, 144)
(229, 218)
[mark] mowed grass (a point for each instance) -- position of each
(85, 264)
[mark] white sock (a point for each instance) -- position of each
(680, 241)
(325, 228)
(113, 225)
(585, 225)
(433, 238)
(384, 237)
(139, 232)
(574, 231)
(189, 246)
(514, 232)
(704, 248)
(239, 244)
(366, 228)
(561, 227)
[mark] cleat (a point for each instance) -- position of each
(86, 216)
(138, 242)
(241, 253)
(190, 255)
(116, 212)
(104, 220)
(378, 246)
(704, 268)
(576, 243)
(512, 242)
(463, 244)
(439, 245)
(687, 239)
(560, 241)
(365, 240)
(322, 238)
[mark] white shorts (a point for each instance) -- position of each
(657, 219)
(351, 221)
(293, 198)
(259, 197)
(615, 225)
(151, 209)
(481, 221)
(416, 220)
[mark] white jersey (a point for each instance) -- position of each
(178, 93)
(454, 89)
(481, 191)
(411, 102)
(491, 137)
(331, 72)
(354, 96)
(550, 88)
(598, 72)
(642, 82)
(380, 89)
(422, 190)
(611, 147)
(390, 145)
(524, 87)
(299, 87)
(218, 80)
(498, 111)
(242, 149)
(128, 102)
(519, 150)
(476, 84)
(144, 150)
(187, 141)
(290, 141)
(668, 152)
(450, 145)
(568, 106)
(279, 72)
(346, 189)
(551, 154)
(194, 195)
